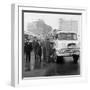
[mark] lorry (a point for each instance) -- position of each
(67, 43)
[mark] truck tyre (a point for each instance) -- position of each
(60, 59)
(75, 58)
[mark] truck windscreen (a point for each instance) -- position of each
(67, 36)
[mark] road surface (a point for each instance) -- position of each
(54, 69)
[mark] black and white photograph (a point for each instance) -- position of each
(51, 43)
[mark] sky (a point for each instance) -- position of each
(49, 19)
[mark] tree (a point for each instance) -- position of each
(39, 27)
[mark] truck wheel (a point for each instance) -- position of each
(60, 59)
(75, 58)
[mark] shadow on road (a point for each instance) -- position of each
(68, 68)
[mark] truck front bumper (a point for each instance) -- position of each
(68, 53)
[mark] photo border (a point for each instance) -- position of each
(17, 42)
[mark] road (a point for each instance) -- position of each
(54, 69)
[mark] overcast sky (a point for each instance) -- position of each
(50, 19)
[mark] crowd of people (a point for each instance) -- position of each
(43, 51)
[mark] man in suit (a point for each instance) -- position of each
(52, 53)
(28, 53)
(47, 49)
(35, 45)
(43, 44)
(39, 50)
